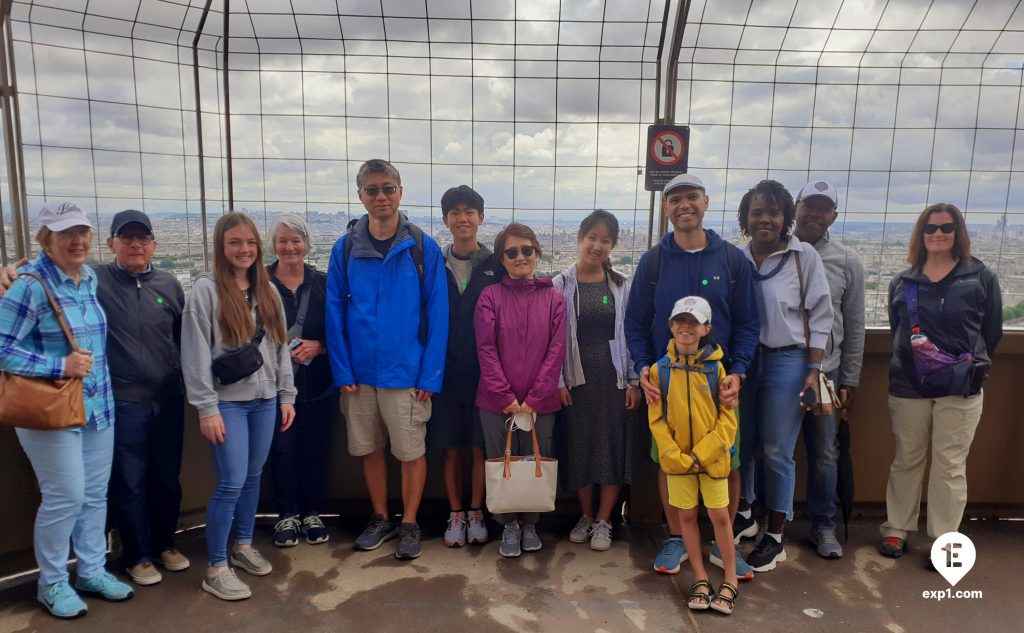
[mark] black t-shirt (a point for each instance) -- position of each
(382, 246)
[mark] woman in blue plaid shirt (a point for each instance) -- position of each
(72, 466)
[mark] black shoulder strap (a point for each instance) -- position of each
(653, 264)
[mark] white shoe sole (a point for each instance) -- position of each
(249, 570)
(601, 547)
(176, 567)
(578, 538)
(770, 565)
(224, 596)
(750, 532)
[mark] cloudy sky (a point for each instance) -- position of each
(541, 105)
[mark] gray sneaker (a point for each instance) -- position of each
(251, 561)
(455, 533)
(511, 541)
(531, 542)
(408, 542)
(377, 531)
(581, 532)
(827, 544)
(477, 530)
(226, 586)
(601, 536)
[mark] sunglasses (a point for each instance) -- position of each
(947, 228)
(389, 190)
(513, 253)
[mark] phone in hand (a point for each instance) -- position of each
(809, 398)
(292, 344)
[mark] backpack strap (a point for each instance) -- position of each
(664, 377)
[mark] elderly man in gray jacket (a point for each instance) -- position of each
(844, 355)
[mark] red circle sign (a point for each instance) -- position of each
(668, 148)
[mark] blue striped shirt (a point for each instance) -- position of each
(33, 344)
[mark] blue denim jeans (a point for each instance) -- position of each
(769, 425)
(145, 495)
(299, 459)
(238, 463)
(820, 442)
(72, 469)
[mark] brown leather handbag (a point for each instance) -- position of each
(43, 404)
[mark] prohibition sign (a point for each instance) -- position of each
(668, 148)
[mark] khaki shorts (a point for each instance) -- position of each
(682, 491)
(373, 416)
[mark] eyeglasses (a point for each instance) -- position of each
(144, 240)
(947, 228)
(389, 190)
(513, 253)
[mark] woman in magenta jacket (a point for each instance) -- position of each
(520, 334)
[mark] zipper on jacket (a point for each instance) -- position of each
(138, 327)
(689, 400)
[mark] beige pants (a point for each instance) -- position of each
(947, 425)
(373, 416)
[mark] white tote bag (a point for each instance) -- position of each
(521, 484)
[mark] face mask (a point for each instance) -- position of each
(521, 421)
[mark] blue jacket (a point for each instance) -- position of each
(373, 313)
(734, 321)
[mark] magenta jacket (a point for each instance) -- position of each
(520, 340)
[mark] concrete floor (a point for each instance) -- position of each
(562, 588)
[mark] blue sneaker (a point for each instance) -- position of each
(743, 570)
(62, 601)
(672, 555)
(105, 586)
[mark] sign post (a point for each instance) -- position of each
(668, 149)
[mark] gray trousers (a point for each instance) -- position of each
(493, 425)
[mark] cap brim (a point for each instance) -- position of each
(818, 195)
(124, 225)
(66, 223)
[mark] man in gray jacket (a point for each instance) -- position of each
(844, 355)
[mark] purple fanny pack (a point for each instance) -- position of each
(939, 373)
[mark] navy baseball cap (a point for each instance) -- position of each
(129, 216)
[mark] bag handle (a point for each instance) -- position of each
(56, 308)
(538, 472)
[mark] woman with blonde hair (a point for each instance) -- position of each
(238, 373)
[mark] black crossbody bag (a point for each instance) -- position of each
(237, 364)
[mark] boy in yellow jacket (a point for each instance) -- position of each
(694, 434)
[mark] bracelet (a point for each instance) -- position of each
(814, 366)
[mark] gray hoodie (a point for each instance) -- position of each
(201, 342)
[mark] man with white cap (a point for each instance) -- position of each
(692, 260)
(844, 354)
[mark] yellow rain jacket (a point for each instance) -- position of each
(693, 422)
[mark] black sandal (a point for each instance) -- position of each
(700, 600)
(729, 601)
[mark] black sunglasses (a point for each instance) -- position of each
(513, 253)
(947, 228)
(389, 190)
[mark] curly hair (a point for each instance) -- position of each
(776, 194)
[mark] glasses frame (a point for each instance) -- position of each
(947, 228)
(144, 240)
(513, 253)
(373, 192)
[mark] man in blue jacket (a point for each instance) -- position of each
(692, 260)
(387, 332)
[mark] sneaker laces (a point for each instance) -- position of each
(764, 544)
(60, 591)
(409, 534)
(601, 530)
(313, 521)
(511, 535)
(377, 525)
(585, 523)
(828, 537)
(455, 519)
(287, 523)
(475, 518)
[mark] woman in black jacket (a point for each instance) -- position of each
(299, 458)
(945, 313)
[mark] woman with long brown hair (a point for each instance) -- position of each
(946, 317)
(237, 373)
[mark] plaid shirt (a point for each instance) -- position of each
(33, 344)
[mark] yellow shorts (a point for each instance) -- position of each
(682, 491)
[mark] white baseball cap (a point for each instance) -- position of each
(683, 180)
(697, 306)
(819, 188)
(62, 215)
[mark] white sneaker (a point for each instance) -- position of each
(601, 536)
(581, 532)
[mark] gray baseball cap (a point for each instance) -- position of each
(683, 180)
(61, 215)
